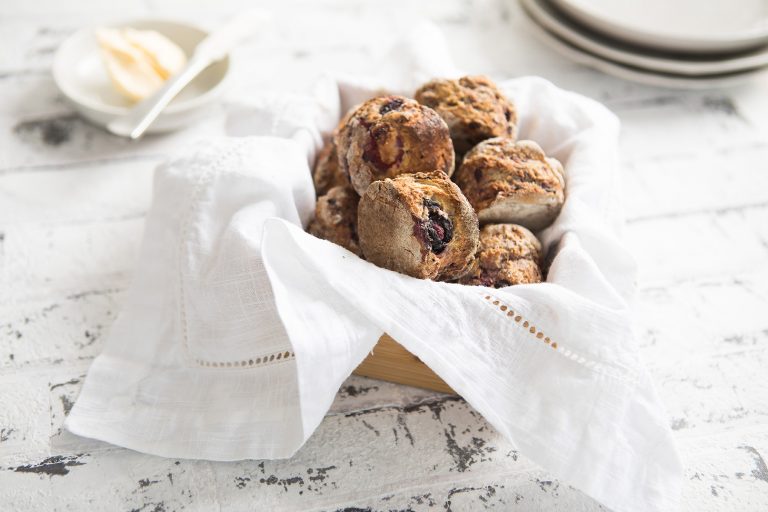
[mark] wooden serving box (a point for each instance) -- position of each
(391, 362)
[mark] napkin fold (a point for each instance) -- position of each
(240, 327)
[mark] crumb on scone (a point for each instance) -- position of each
(508, 255)
(512, 182)
(336, 218)
(327, 173)
(418, 224)
(473, 108)
(392, 135)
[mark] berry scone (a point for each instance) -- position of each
(336, 218)
(512, 182)
(473, 107)
(327, 173)
(508, 254)
(418, 224)
(391, 135)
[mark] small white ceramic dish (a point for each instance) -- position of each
(81, 76)
(545, 15)
(690, 26)
(671, 81)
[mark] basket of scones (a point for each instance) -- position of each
(437, 187)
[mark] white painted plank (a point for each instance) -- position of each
(63, 329)
(85, 10)
(664, 128)
(78, 194)
(40, 261)
(711, 317)
(34, 44)
(698, 245)
(717, 393)
(706, 181)
(16, 87)
(726, 472)
(24, 418)
(61, 138)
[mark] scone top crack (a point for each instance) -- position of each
(512, 182)
(391, 135)
(418, 224)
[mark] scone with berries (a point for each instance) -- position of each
(391, 135)
(418, 224)
(336, 218)
(512, 182)
(473, 108)
(508, 255)
(327, 173)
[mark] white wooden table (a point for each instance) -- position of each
(72, 206)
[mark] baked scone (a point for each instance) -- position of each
(391, 135)
(418, 224)
(473, 107)
(327, 173)
(509, 254)
(515, 182)
(336, 218)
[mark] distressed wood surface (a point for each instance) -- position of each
(72, 206)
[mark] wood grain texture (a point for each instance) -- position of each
(72, 206)
(391, 362)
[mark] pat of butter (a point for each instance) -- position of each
(139, 61)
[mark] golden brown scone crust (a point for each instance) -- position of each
(418, 224)
(473, 107)
(336, 218)
(512, 182)
(391, 135)
(327, 173)
(509, 254)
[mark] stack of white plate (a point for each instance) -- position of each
(672, 43)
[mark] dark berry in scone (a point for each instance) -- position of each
(392, 135)
(473, 107)
(508, 254)
(418, 224)
(336, 218)
(515, 182)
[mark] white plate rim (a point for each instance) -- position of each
(626, 32)
(640, 76)
(545, 16)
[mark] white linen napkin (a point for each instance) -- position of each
(240, 327)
